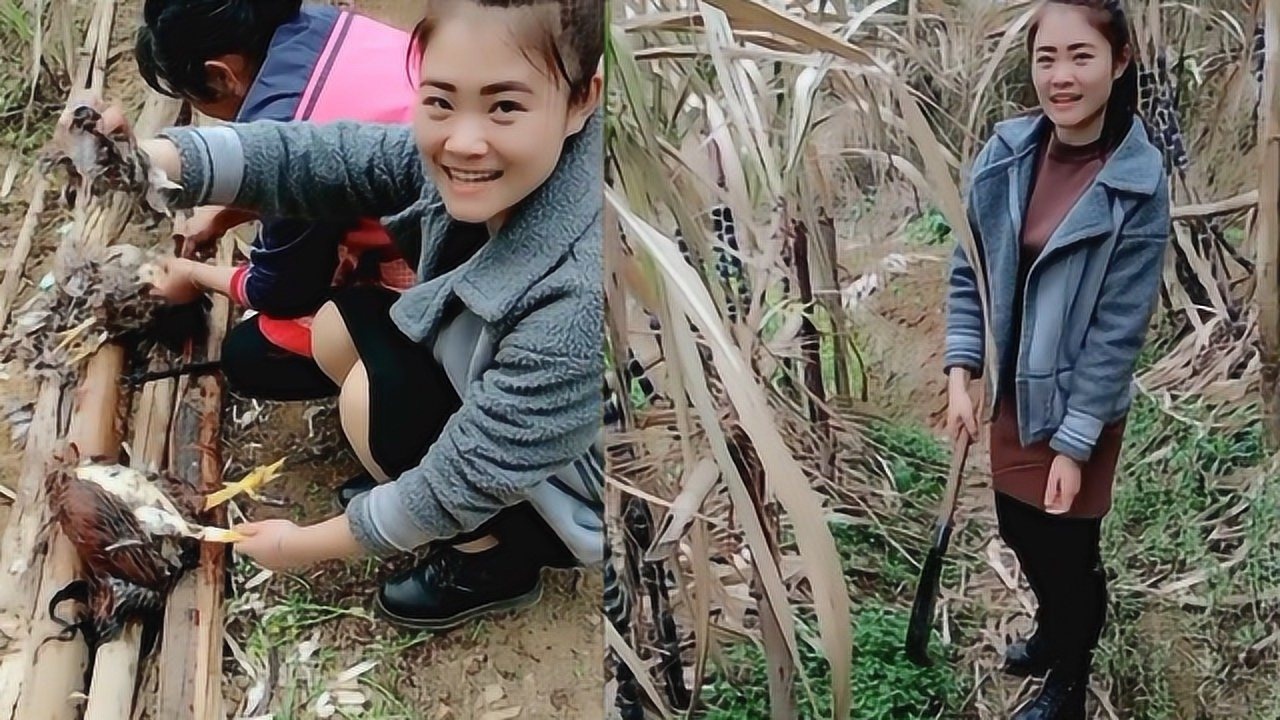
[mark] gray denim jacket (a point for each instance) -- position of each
(526, 353)
(1089, 296)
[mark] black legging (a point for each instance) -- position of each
(1063, 564)
(255, 367)
(410, 400)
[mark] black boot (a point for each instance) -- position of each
(357, 485)
(1060, 698)
(450, 587)
(1028, 657)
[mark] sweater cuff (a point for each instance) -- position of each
(382, 523)
(959, 355)
(1076, 436)
(212, 163)
(364, 530)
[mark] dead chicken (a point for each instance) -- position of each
(97, 295)
(135, 535)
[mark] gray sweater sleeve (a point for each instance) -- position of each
(300, 170)
(534, 411)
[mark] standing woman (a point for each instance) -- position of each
(1070, 210)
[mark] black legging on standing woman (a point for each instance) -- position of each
(1061, 560)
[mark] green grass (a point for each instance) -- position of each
(1169, 501)
(294, 616)
(1162, 659)
(929, 228)
(886, 685)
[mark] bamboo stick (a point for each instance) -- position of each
(17, 262)
(59, 667)
(90, 74)
(33, 577)
(111, 689)
(56, 669)
(190, 656)
(21, 575)
(1235, 203)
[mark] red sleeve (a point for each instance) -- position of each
(238, 280)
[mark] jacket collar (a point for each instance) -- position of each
(541, 231)
(1135, 166)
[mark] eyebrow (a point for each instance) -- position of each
(1070, 48)
(490, 89)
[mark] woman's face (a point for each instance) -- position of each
(490, 123)
(1073, 68)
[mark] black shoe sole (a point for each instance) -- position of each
(518, 602)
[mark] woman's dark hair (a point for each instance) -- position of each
(1108, 17)
(178, 37)
(566, 35)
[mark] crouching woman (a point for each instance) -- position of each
(476, 392)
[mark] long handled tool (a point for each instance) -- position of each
(927, 589)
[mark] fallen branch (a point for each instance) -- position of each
(1236, 203)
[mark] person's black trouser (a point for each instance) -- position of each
(254, 367)
(1063, 564)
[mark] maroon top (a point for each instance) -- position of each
(1063, 173)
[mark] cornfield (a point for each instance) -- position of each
(764, 161)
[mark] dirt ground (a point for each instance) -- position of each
(291, 637)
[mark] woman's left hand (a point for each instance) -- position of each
(1063, 485)
(275, 544)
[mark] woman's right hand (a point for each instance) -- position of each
(112, 122)
(961, 414)
(197, 234)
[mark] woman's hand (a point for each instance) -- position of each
(1063, 485)
(197, 234)
(961, 414)
(111, 122)
(162, 153)
(282, 545)
(174, 281)
(275, 544)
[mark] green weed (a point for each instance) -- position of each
(887, 686)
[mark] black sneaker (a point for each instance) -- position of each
(450, 588)
(1062, 697)
(1028, 657)
(357, 485)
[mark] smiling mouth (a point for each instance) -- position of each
(1063, 99)
(471, 176)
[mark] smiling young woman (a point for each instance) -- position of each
(1070, 209)
(474, 395)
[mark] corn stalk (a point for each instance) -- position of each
(1267, 229)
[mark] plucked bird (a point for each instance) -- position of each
(135, 533)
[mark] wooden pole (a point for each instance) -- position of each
(1267, 229)
(17, 262)
(38, 681)
(191, 650)
(115, 668)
